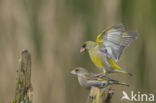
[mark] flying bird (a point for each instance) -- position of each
(108, 48)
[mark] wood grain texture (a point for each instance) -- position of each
(100, 95)
(23, 92)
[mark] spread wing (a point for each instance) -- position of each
(114, 39)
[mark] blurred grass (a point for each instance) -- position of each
(54, 30)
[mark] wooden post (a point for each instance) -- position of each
(23, 92)
(100, 95)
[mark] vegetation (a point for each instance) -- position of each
(54, 30)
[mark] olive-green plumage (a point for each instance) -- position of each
(107, 49)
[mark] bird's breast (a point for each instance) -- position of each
(96, 58)
(83, 82)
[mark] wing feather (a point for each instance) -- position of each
(97, 76)
(114, 39)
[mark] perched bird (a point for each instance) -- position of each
(89, 80)
(107, 49)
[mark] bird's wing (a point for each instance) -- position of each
(96, 76)
(114, 39)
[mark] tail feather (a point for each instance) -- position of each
(124, 72)
(130, 74)
(127, 38)
(118, 83)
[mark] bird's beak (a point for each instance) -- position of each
(82, 49)
(73, 72)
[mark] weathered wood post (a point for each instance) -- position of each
(23, 92)
(100, 95)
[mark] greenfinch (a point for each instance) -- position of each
(109, 46)
(88, 80)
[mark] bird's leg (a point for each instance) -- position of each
(103, 73)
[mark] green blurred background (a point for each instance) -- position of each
(53, 31)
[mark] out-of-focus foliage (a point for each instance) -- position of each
(53, 30)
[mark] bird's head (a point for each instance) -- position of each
(79, 71)
(87, 46)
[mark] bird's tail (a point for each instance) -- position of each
(124, 72)
(118, 83)
(130, 74)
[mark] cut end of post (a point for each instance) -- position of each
(100, 95)
(24, 88)
(25, 51)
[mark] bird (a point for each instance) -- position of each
(87, 79)
(108, 48)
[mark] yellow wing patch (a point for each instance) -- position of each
(112, 63)
(101, 79)
(98, 40)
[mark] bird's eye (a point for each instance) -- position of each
(76, 70)
(84, 45)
